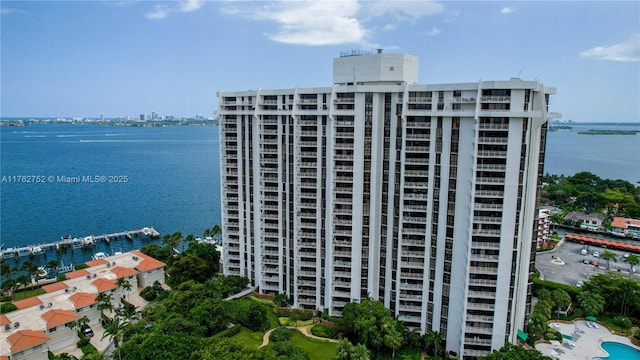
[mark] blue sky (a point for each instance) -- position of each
(120, 58)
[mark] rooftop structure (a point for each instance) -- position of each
(423, 196)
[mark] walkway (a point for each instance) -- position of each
(303, 329)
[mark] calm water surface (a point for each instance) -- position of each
(173, 176)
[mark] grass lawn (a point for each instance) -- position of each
(28, 293)
(249, 338)
(317, 349)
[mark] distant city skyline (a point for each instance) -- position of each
(84, 59)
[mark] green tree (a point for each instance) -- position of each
(561, 299)
(514, 352)
(622, 294)
(537, 324)
(216, 233)
(544, 307)
(187, 267)
(432, 342)
(255, 317)
(114, 329)
(52, 265)
(392, 338)
(32, 269)
(347, 351)
(609, 255)
(592, 303)
(125, 285)
(632, 260)
(105, 302)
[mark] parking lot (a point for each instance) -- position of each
(565, 264)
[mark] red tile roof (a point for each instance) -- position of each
(55, 287)
(98, 262)
(147, 263)
(56, 317)
(104, 284)
(121, 271)
(82, 299)
(4, 320)
(605, 243)
(25, 339)
(620, 222)
(28, 302)
(77, 274)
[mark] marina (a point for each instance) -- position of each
(66, 243)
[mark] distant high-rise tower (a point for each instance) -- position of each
(421, 196)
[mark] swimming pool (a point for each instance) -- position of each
(618, 351)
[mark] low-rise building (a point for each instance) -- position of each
(44, 323)
(592, 222)
(626, 226)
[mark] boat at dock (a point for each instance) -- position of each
(76, 243)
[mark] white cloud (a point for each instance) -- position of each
(6, 11)
(507, 10)
(307, 22)
(404, 9)
(625, 51)
(330, 22)
(190, 5)
(159, 12)
(163, 10)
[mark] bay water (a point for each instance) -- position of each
(91, 179)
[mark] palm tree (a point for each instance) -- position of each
(124, 284)
(79, 323)
(105, 302)
(206, 233)
(31, 268)
(23, 280)
(609, 255)
(432, 342)
(53, 265)
(216, 233)
(632, 260)
(114, 329)
(392, 338)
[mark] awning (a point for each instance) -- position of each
(522, 335)
(568, 337)
(591, 318)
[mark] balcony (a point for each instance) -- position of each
(487, 270)
(477, 330)
(493, 140)
(481, 295)
(492, 154)
(487, 207)
(495, 99)
(491, 167)
(483, 282)
(487, 219)
(419, 100)
(490, 180)
(464, 100)
(489, 194)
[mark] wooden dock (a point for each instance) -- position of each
(76, 243)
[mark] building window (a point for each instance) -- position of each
(53, 329)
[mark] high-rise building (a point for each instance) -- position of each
(421, 196)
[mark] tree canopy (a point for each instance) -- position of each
(589, 193)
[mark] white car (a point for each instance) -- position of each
(595, 253)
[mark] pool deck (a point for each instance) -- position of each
(587, 341)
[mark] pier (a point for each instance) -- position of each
(76, 243)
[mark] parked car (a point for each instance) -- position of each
(86, 330)
(595, 253)
(579, 283)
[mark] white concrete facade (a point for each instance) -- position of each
(421, 196)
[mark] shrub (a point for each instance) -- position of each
(227, 333)
(280, 334)
(622, 321)
(552, 334)
(149, 293)
(7, 307)
(292, 352)
(61, 277)
(637, 334)
(324, 331)
(83, 341)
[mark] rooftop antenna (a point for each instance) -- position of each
(379, 51)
